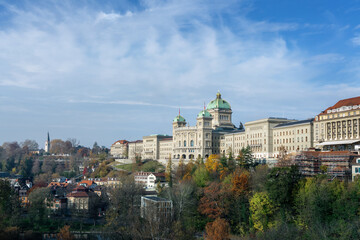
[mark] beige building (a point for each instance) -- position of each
(293, 136)
(135, 149)
(214, 133)
(337, 127)
(257, 134)
(152, 146)
(119, 149)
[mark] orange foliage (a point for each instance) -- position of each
(212, 163)
(212, 203)
(65, 234)
(240, 183)
(218, 230)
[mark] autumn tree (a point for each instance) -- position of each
(213, 203)
(218, 230)
(65, 234)
(180, 171)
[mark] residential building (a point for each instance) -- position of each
(148, 179)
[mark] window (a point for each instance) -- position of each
(191, 143)
(185, 143)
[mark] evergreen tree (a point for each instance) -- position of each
(169, 171)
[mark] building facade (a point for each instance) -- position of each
(337, 127)
(119, 149)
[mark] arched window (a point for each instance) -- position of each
(191, 143)
(185, 143)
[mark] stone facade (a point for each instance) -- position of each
(337, 127)
(214, 133)
(119, 149)
(293, 136)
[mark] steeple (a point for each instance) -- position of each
(47, 143)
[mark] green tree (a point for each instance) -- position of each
(262, 211)
(282, 185)
(245, 158)
(201, 176)
(9, 206)
(169, 172)
(39, 199)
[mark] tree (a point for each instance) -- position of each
(213, 203)
(201, 176)
(65, 234)
(57, 146)
(245, 158)
(26, 165)
(95, 149)
(282, 184)
(38, 210)
(9, 205)
(218, 230)
(168, 172)
(262, 211)
(180, 171)
(123, 215)
(29, 145)
(240, 183)
(36, 169)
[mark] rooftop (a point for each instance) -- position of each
(294, 123)
(345, 102)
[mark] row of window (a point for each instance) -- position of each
(290, 140)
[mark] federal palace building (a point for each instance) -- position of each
(336, 128)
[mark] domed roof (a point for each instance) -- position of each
(218, 103)
(204, 113)
(179, 118)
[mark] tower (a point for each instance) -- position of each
(47, 143)
(204, 128)
(221, 112)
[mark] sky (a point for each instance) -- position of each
(108, 70)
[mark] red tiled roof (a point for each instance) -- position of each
(338, 153)
(78, 194)
(121, 142)
(57, 184)
(345, 102)
(143, 173)
(87, 182)
(162, 174)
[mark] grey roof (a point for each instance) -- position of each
(157, 199)
(294, 123)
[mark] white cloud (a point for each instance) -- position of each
(356, 40)
(170, 54)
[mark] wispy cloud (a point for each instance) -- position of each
(356, 40)
(164, 55)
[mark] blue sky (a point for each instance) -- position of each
(108, 70)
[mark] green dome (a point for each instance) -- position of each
(204, 113)
(179, 118)
(218, 103)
